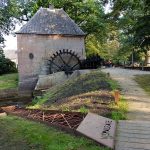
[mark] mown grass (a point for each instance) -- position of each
(144, 82)
(85, 83)
(8, 81)
(17, 133)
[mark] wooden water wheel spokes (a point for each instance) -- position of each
(64, 60)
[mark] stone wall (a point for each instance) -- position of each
(10, 96)
(48, 81)
(42, 47)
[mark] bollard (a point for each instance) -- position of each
(117, 96)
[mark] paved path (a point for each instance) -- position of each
(132, 134)
(139, 101)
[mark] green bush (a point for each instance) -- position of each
(6, 65)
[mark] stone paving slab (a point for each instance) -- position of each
(99, 128)
(133, 135)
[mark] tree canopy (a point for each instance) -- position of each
(133, 19)
(124, 28)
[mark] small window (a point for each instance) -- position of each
(31, 56)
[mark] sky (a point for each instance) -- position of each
(11, 41)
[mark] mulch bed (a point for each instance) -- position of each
(59, 118)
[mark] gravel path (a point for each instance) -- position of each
(139, 101)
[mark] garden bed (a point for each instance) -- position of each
(61, 119)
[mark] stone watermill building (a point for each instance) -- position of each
(49, 33)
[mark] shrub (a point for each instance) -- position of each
(6, 65)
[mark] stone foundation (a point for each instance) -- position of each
(48, 81)
(14, 96)
(28, 84)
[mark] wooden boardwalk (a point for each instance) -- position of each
(133, 135)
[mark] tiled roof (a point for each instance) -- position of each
(51, 22)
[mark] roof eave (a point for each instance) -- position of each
(53, 34)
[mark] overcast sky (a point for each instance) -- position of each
(11, 41)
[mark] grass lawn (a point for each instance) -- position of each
(8, 81)
(144, 82)
(17, 133)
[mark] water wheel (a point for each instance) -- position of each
(64, 60)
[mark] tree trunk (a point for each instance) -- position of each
(148, 58)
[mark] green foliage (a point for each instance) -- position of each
(112, 36)
(132, 18)
(94, 46)
(6, 65)
(13, 12)
(89, 15)
(19, 133)
(83, 110)
(8, 81)
(7, 21)
(142, 32)
(143, 81)
(119, 111)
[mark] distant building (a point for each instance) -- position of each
(47, 32)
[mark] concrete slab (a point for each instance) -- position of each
(48, 81)
(98, 128)
(133, 135)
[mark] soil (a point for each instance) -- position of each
(59, 118)
(96, 102)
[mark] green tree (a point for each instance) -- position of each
(88, 14)
(133, 19)
(7, 22)
(12, 12)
